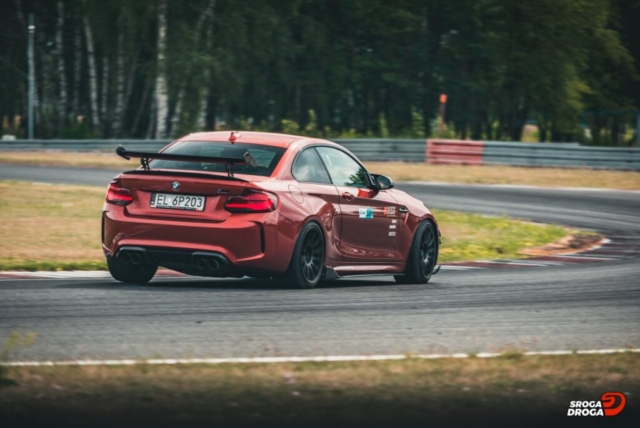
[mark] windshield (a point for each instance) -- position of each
(267, 157)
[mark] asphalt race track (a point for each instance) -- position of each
(566, 306)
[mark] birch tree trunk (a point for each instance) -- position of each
(118, 113)
(141, 106)
(104, 98)
(93, 78)
(153, 117)
(203, 105)
(62, 77)
(204, 101)
(45, 94)
(175, 119)
(77, 69)
(162, 102)
(130, 73)
(23, 82)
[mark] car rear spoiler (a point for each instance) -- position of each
(146, 157)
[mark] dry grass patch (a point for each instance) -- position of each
(410, 388)
(43, 225)
(475, 237)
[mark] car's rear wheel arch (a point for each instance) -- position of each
(327, 234)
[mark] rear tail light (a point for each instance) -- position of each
(118, 195)
(251, 201)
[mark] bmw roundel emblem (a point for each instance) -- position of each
(175, 185)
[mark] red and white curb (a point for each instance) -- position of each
(329, 358)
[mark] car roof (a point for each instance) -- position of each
(249, 137)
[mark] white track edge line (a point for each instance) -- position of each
(329, 358)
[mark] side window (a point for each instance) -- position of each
(308, 168)
(344, 170)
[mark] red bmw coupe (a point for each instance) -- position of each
(297, 209)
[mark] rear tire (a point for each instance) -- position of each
(130, 273)
(307, 262)
(423, 256)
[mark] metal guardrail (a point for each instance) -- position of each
(386, 150)
(82, 145)
(365, 149)
(504, 153)
(407, 150)
(565, 155)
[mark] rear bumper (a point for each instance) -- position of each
(201, 263)
(244, 241)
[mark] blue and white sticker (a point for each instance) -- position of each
(365, 212)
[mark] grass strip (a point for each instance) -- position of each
(57, 227)
(373, 390)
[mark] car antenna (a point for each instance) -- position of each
(234, 136)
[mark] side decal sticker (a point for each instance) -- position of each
(390, 211)
(365, 212)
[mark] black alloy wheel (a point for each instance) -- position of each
(312, 255)
(422, 257)
(428, 251)
(307, 263)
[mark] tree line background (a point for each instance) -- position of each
(349, 68)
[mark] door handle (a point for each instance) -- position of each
(403, 210)
(348, 196)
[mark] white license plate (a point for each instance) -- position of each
(177, 202)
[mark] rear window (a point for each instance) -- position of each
(267, 157)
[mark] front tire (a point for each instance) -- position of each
(130, 273)
(423, 256)
(307, 262)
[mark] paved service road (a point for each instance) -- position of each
(59, 175)
(584, 306)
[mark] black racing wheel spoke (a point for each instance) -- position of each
(311, 257)
(427, 250)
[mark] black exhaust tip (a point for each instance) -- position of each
(202, 264)
(125, 257)
(136, 259)
(213, 264)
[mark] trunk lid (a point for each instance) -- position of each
(213, 187)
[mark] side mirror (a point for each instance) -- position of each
(383, 182)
